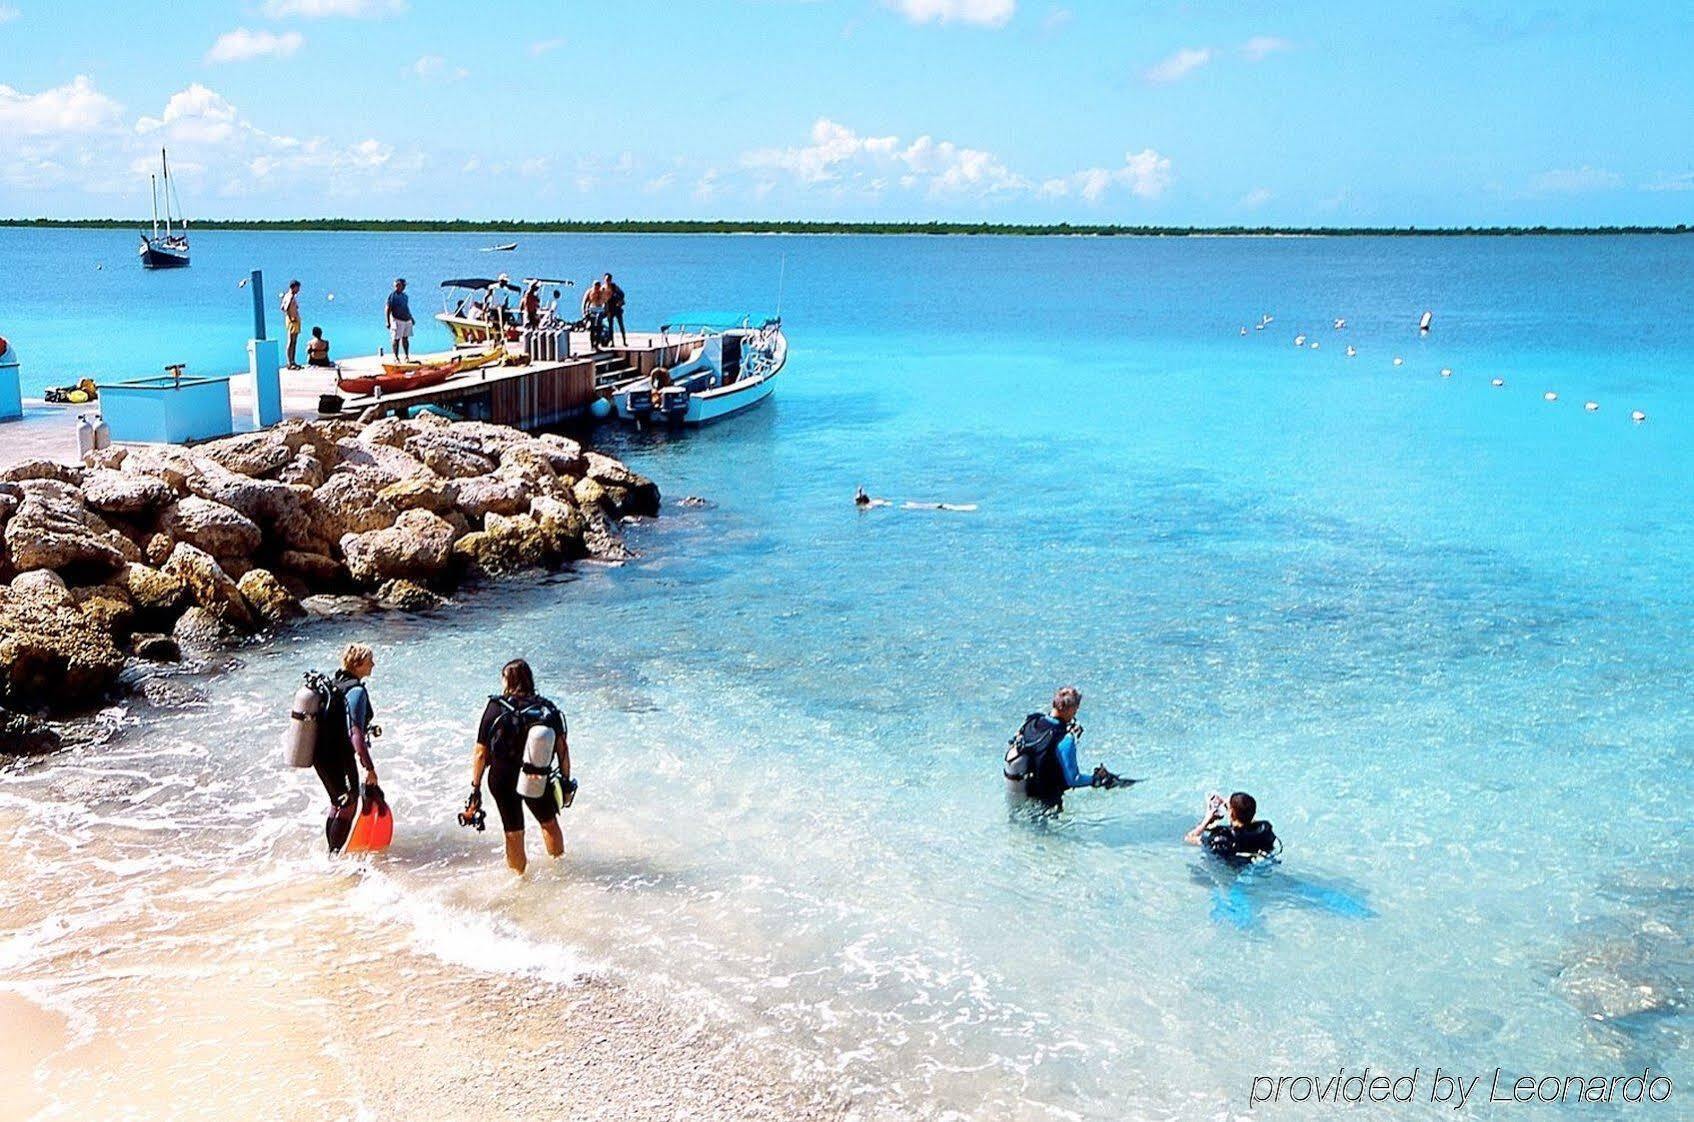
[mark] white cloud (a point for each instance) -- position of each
(832, 146)
(1263, 46)
(242, 44)
(545, 46)
(196, 115)
(1179, 65)
(320, 9)
(982, 13)
(434, 68)
(706, 187)
(1146, 174)
(1683, 181)
(1574, 181)
(74, 108)
(8, 13)
(1256, 198)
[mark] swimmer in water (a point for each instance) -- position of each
(864, 502)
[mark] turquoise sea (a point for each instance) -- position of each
(1441, 629)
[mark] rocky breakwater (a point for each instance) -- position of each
(144, 552)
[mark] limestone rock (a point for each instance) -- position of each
(348, 503)
(631, 493)
(119, 492)
(486, 495)
(407, 596)
(439, 496)
(317, 569)
(22, 735)
(112, 456)
(10, 496)
(380, 461)
(44, 585)
(52, 653)
(43, 469)
(335, 607)
(108, 606)
(209, 586)
(601, 538)
(391, 431)
(211, 526)
(202, 628)
(155, 648)
(508, 544)
(282, 511)
(270, 601)
(446, 453)
(167, 462)
(419, 546)
(561, 526)
(52, 530)
(305, 470)
(566, 454)
(257, 455)
(590, 493)
(150, 589)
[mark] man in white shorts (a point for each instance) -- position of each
(399, 313)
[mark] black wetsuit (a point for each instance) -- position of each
(333, 758)
(1240, 844)
(504, 734)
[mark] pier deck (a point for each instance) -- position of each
(529, 396)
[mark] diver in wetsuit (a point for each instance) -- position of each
(344, 741)
(1230, 830)
(1040, 760)
(506, 721)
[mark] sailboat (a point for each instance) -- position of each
(171, 250)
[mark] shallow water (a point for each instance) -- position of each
(1439, 629)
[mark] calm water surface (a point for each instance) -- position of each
(1440, 629)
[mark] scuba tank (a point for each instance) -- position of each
(299, 743)
(537, 761)
(84, 435)
(102, 434)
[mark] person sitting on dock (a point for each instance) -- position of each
(317, 351)
(399, 314)
(614, 309)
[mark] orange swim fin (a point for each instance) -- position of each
(373, 830)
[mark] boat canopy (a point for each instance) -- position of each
(480, 282)
(550, 280)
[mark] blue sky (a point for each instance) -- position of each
(1194, 112)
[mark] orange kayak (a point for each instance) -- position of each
(417, 379)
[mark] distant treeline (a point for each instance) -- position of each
(725, 226)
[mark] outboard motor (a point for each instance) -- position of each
(640, 402)
(537, 761)
(673, 402)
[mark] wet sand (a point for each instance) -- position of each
(214, 997)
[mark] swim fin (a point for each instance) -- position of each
(373, 830)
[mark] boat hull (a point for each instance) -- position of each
(154, 256)
(707, 405)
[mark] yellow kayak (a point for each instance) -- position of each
(490, 357)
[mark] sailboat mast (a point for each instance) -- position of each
(164, 164)
(153, 182)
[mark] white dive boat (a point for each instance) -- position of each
(733, 368)
(171, 250)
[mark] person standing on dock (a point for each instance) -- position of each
(532, 305)
(291, 320)
(399, 313)
(614, 309)
(594, 312)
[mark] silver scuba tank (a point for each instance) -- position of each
(300, 741)
(537, 761)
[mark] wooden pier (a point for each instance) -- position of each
(531, 396)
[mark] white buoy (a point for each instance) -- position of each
(1591, 406)
(1314, 344)
(1446, 371)
(1243, 326)
(1351, 350)
(1398, 361)
(331, 296)
(242, 283)
(1638, 416)
(1549, 396)
(1423, 324)
(1497, 383)
(1268, 318)
(1299, 340)
(1339, 324)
